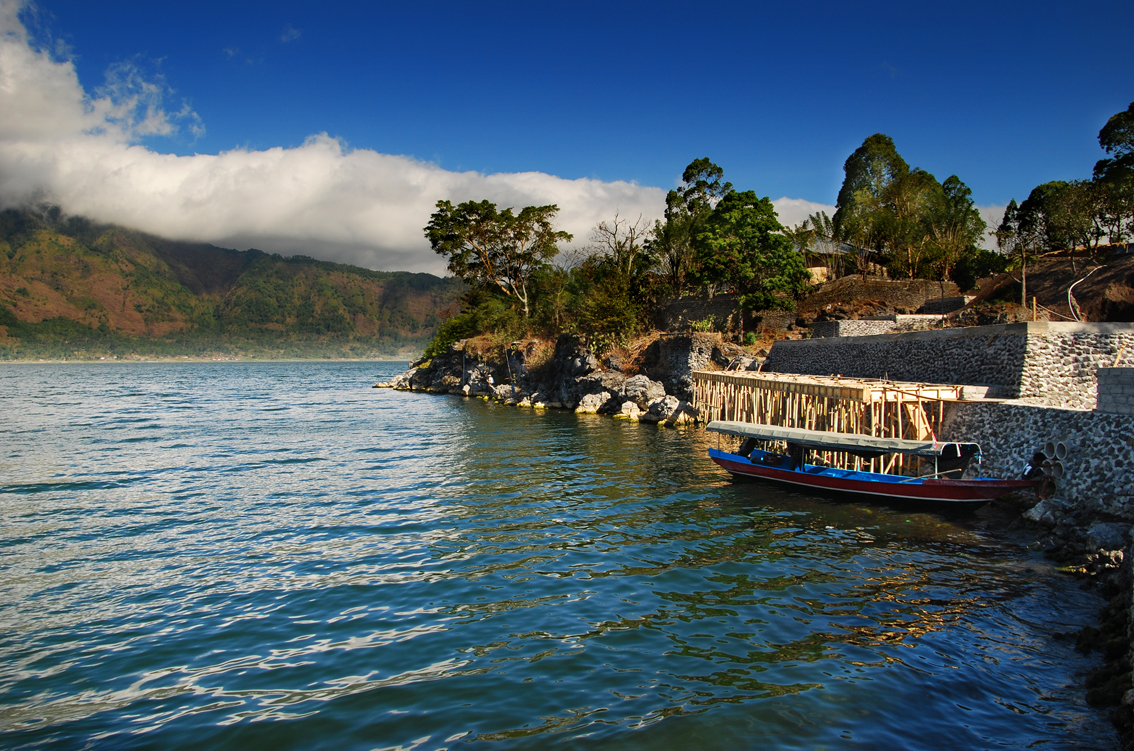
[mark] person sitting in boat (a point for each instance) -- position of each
(798, 455)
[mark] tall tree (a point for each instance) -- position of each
(1062, 215)
(743, 245)
(686, 209)
(1013, 240)
(955, 226)
(868, 172)
(622, 242)
(495, 249)
(1115, 176)
(1117, 139)
(1116, 205)
(898, 216)
(825, 240)
(703, 186)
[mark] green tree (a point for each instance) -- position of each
(868, 173)
(1114, 176)
(1060, 215)
(1116, 205)
(900, 217)
(955, 226)
(495, 249)
(686, 209)
(869, 176)
(1014, 241)
(1117, 139)
(743, 245)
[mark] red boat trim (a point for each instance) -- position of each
(947, 491)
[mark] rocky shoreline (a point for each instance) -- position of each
(652, 386)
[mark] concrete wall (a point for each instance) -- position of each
(1050, 363)
(1097, 470)
(1116, 390)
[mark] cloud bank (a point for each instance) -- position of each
(83, 152)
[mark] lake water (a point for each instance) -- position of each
(276, 555)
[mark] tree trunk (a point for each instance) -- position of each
(1024, 279)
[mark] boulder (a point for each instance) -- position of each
(400, 381)
(480, 384)
(614, 362)
(668, 410)
(641, 390)
(509, 393)
(672, 359)
(744, 362)
(629, 411)
(591, 403)
(1047, 512)
(1108, 536)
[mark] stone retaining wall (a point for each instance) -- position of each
(1050, 363)
(1116, 390)
(873, 326)
(907, 294)
(720, 311)
(722, 314)
(1097, 469)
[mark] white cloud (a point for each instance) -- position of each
(992, 216)
(83, 152)
(792, 211)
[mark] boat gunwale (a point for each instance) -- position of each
(915, 489)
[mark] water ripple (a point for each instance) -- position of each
(212, 555)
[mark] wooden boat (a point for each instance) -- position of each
(944, 484)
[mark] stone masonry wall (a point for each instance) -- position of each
(873, 326)
(1097, 470)
(1062, 364)
(720, 310)
(1050, 363)
(1116, 390)
(987, 355)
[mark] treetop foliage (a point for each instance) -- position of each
(1117, 138)
(490, 248)
(869, 171)
(744, 246)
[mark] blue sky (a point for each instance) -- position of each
(1005, 96)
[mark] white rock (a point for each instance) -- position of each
(641, 390)
(629, 411)
(590, 403)
(669, 410)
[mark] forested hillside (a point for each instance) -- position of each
(70, 288)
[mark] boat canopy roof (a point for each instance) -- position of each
(820, 439)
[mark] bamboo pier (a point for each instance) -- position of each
(880, 408)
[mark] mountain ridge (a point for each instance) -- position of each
(72, 286)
